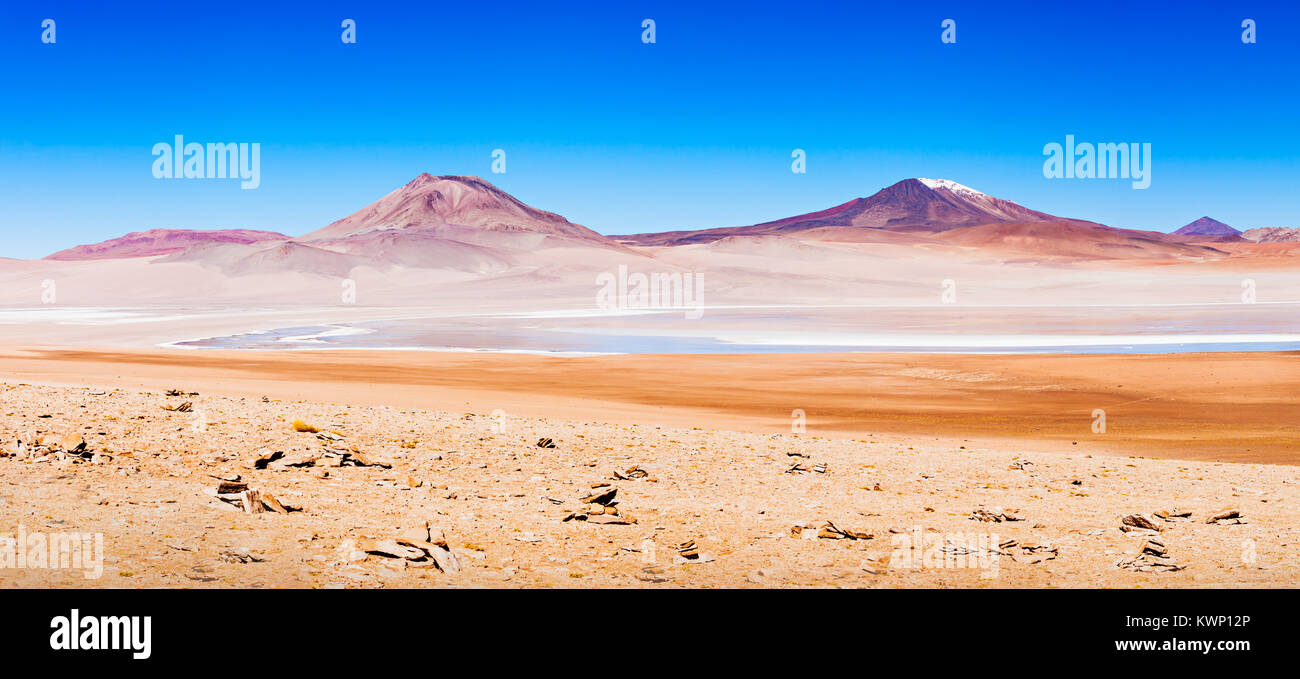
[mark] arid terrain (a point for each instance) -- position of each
(439, 390)
(755, 503)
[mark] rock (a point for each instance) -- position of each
(1151, 556)
(252, 500)
(633, 473)
(688, 552)
(1231, 516)
(603, 496)
(430, 540)
(545, 443)
(71, 443)
(832, 532)
(228, 487)
(295, 459)
(995, 515)
(1139, 521)
(264, 457)
(1031, 553)
(394, 549)
(240, 556)
(361, 459)
(269, 502)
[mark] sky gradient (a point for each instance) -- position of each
(694, 131)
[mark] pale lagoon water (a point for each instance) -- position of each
(1080, 330)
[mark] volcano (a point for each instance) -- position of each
(430, 203)
(923, 205)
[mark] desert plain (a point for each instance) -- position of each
(454, 440)
(423, 394)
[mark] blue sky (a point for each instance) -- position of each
(693, 131)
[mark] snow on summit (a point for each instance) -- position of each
(949, 185)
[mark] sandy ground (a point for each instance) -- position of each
(1217, 406)
(907, 450)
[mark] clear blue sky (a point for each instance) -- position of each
(694, 131)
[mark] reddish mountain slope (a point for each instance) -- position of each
(928, 205)
(163, 242)
(429, 201)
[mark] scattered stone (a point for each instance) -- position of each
(252, 501)
(264, 457)
(603, 496)
(1228, 516)
(71, 443)
(228, 487)
(1138, 521)
(1151, 556)
(689, 552)
(240, 556)
(1030, 552)
(295, 459)
(361, 459)
(630, 474)
(395, 550)
(423, 545)
(995, 515)
(269, 502)
(832, 532)
(1172, 515)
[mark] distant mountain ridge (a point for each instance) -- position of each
(156, 242)
(1272, 234)
(918, 204)
(465, 224)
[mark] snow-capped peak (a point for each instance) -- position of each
(950, 186)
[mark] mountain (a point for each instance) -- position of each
(1206, 226)
(162, 242)
(431, 203)
(298, 258)
(416, 248)
(1272, 234)
(926, 205)
(1074, 240)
